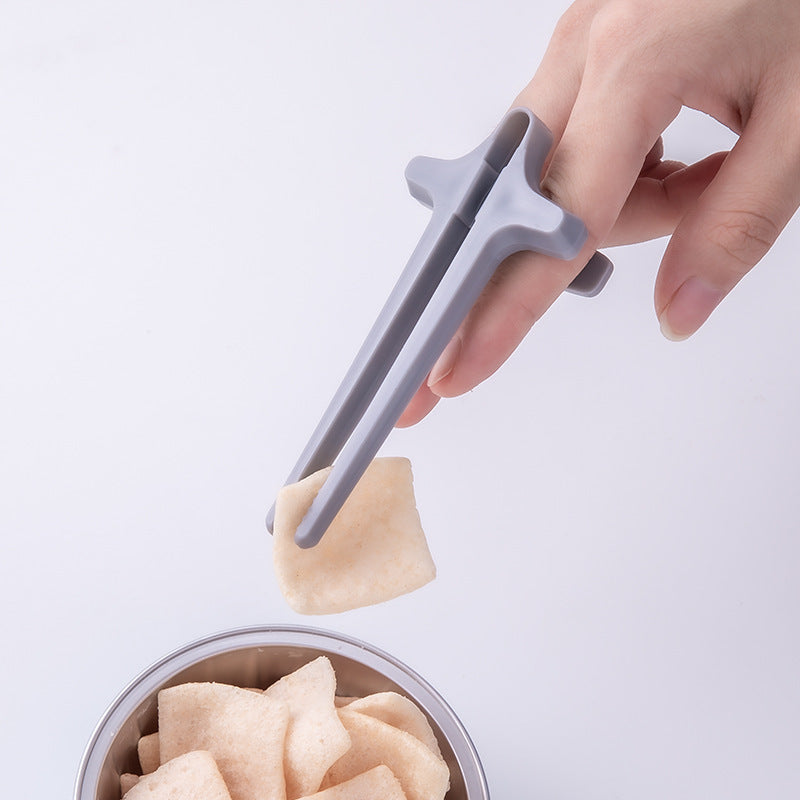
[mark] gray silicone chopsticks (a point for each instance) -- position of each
(486, 206)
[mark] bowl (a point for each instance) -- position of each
(258, 656)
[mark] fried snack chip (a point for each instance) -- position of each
(244, 732)
(315, 737)
(422, 774)
(340, 702)
(374, 550)
(400, 712)
(127, 781)
(149, 753)
(193, 776)
(378, 782)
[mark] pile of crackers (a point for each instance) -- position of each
(295, 739)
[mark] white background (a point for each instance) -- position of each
(202, 208)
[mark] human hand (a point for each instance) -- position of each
(615, 74)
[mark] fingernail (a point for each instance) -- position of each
(689, 308)
(447, 360)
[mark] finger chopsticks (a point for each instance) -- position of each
(486, 206)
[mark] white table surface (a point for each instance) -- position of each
(202, 208)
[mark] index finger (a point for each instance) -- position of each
(550, 95)
(618, 116)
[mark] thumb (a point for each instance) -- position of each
(734, 223)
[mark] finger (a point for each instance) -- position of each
(611, 138)
(552, 91)
(594, 167)
(497, 323)
(662, 169)
(550, 95)
(733, 225)
(656, 205)
(422, 403)
(653, 158)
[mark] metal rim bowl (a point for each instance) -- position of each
(258, 656)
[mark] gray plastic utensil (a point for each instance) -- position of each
(486, 206)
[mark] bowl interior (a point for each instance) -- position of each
(259, 666)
